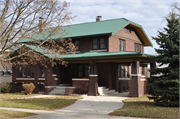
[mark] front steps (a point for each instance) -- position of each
(106, 91)
(59, 90)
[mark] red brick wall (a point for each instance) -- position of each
(85, 45)
(69, 90)
(129, 46)
(81, 86)
(113, 44)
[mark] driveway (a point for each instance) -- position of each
(90, 107)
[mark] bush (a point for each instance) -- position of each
(6, 87)
(28, 88)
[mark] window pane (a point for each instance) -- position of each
(94, 40)
(42, 71)
(140, 49)
(102, 40)
(119, 70)
(126, 71)
(94, 46)
(23, 71)
(122, 46)
(76, 42)
(80, 74)
(135, 47)
(122, 71)
(102, 46)
(28, 71)
(80, 67)
(20, 71)
(87, 66)
(142, 70)
(119, 45)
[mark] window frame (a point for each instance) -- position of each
(138, 48)
(125, 71)
(25, 70)
(76, 44)
(99, 43)
(121, 41)
(143, 70)
(83, 70)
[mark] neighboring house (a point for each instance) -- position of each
(110, 53)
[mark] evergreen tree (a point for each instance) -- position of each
(163, 86)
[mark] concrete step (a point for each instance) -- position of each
(58, 90)
(64, 84)
(105, 91)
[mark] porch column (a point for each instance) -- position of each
(36, 76)
(49, 80)
(134, 83)
(93, 80)
(115, 79)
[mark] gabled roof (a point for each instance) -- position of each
(95, 28)
(85, 55)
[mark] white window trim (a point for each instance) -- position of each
(55, 78)
(41, 78)
(135, 74)
(98, 50)
(143, 80)
(78, 79)
(54, 74)
(124, 78)
(25, 78)
(95, 75)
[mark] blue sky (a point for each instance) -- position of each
(148, 13)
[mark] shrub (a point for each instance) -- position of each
(28, 88)
(6, 87)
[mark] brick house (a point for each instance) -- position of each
(110, 53)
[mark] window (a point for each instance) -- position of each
(123, 71)
(83, 70)
(138, 48)
(26, 71)
(98, 43)
(95, 44)
(76, 43)
(128, 30)
(102, 43)
(121, 45)
(42, 71)
(143, 70)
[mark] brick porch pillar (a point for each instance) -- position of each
(134, 82)
(93, 80)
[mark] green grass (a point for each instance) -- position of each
(142, 107)
(15, 95)
(7, 114)
(50, 103)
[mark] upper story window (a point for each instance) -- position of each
(128, 30)
(26, 71)
(76, 43)
(121, 45)
(138, 48)
(98, 43)
(123, 71)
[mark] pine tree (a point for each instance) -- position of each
(164, 85)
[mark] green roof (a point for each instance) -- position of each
(85, 55)
(91, 29)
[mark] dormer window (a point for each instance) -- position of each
(76, 43)
(128, 30)
(121, 45)
(102, 43)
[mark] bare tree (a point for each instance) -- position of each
(37, 23)
(176, 7)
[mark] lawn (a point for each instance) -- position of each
(6, 114)
(15, 95)
(50, 103)
(142, 107)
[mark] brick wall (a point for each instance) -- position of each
(93, 86)
(113, 44)
(129, 46)
(85, 45)
(123, 86)
(69, 90)
(81, 86)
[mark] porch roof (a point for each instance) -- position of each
(87, 55)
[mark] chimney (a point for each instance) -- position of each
(42, 26)
(98, 18)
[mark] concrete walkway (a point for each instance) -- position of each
(90, 107)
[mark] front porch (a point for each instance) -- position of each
(85, 76)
